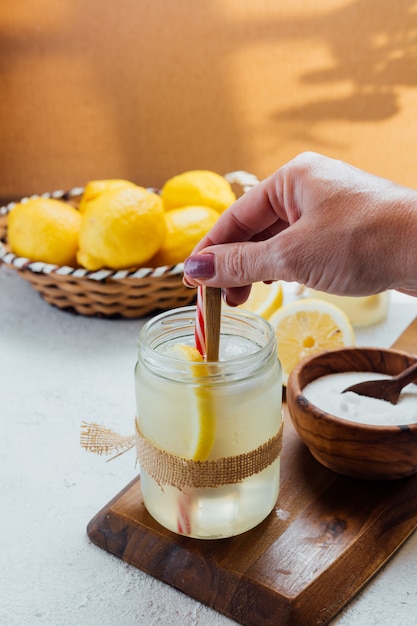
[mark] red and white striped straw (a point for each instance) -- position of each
(183, 518)
(200, 331)
(184, 498)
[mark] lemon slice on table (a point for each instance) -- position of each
(205, 418)
(264, 299)
(306, 327)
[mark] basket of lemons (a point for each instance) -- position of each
(114, 248)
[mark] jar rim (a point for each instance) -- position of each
(180, 323)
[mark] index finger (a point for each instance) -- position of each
(251, 215)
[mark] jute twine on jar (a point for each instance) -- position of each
(172, 470)
(169, 469)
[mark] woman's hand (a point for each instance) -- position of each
(316, 221)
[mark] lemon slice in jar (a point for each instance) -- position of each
(306, 327)
(204, 416)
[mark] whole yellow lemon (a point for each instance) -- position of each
(121, 228)
(43, 229)
(95, 188)
(198, 188)
(185, 227)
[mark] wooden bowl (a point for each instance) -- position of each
(354, 449)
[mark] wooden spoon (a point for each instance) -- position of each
(212, 310)
(388, 389)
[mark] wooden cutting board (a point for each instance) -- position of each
(327, 536)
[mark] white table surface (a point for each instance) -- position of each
(56, 370)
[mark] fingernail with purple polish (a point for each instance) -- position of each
(200, 266)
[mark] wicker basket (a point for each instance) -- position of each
(104, 293)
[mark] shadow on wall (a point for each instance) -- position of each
(145, 90)
(373, 52)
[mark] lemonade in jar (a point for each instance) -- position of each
(209, 433)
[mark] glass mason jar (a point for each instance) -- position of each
(209, 434)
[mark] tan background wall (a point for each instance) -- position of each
(144, 89)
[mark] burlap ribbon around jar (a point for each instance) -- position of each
(176, 471)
